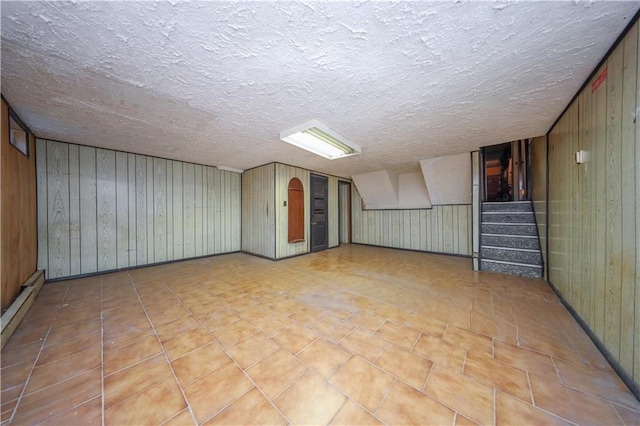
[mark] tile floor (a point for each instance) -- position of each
(353, 335)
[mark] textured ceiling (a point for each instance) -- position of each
(215, 82)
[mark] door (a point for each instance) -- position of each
(319, 207)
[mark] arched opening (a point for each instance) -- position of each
(296, 211)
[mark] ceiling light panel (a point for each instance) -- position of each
(321, 140)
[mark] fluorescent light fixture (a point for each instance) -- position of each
(229, 169)
(321, 140)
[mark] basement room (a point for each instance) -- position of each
(312, 212)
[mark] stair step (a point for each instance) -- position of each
(511, 206)
(508, 217)
(511, 268)
(523, 256)
(510, 228)
(511, 241)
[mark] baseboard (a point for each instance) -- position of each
(19, 308)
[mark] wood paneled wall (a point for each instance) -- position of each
(284, 174)
(18, 231)
(265, 219)
(442, 229)
(538, 155)
(101, 210)
(259, 211)
(594, 208)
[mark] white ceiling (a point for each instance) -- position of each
(215, 82)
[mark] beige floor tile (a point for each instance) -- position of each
(365, 304)
(177, 327)
(501, 376)
(571, 404)
(63, 369)
(397, 334)
(295, 338)
(462, 393)
(310, 400)
(213, 392)
(315, 312)
(353, 414)
(493, 326)
(273, 324)
(137, 378)
(525, 359)
(392, 313)
(183, 418)
(58, 398)
(115, 359)
(277, 371)
(426, 325)
(602, 382)
(364, 344)
(333, 329)
(186, 342)
(512, 411)
(217, 319)
(199, 363)
(234, 332)
(366, 321)
(156, 404)
(405, 405)
(324, 357)
(469, 340)
(252, 349)
(74, 331)
(440, 352)
(88, 413)
(406, 366)
(363, 382)
(628, 416)
(462, 420)
(251, 409)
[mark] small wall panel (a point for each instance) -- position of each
(284, 174)
(102, 210)
(258, 214)
(122, 210)
(74, 210)
(593, 207)
(442, 229)
(58, 212)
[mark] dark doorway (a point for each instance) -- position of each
(319, 207)
(498, 173)
(506, 170)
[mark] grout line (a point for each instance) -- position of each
(386, 394)
(233, 360)
(426, 380)
(35, 362)
(495, 392)
(164, 352)
(533, 400)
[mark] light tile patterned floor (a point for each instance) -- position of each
(354, 335)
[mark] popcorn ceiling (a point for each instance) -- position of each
(215, 82)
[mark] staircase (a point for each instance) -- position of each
(509, 241)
